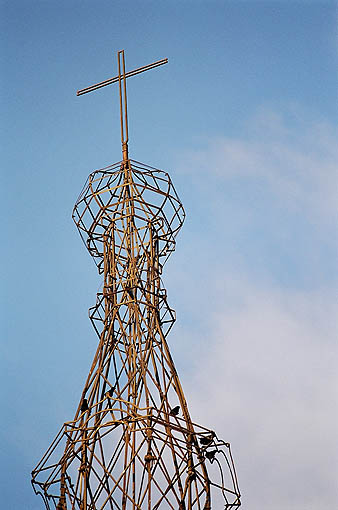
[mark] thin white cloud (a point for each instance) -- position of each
(296, 157)
(261, 350)
(266, 380)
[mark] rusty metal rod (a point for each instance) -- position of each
(116, 78)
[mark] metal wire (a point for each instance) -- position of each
(132, 444)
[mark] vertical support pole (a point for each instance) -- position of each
(123, 105)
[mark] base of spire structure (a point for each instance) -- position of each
(144, 476)
(125, 155)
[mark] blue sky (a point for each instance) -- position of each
(244, 117)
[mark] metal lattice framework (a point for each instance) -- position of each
(132, 444)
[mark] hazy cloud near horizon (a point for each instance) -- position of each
(266, 381)
(261, 335)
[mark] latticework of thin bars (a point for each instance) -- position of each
(132, 444)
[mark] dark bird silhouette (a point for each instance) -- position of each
(175, 411)
(84, 405)
(111, 392)
(149, 457)
(192, 475)
(210, 455)
(205, 441)
(130, 291)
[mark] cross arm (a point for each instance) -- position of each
(116, 78)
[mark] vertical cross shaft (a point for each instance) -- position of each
(121, 79)
(123, 105)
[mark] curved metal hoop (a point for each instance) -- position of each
(103, 200)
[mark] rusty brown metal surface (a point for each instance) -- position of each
(132, 444)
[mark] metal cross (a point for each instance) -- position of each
(121, 78)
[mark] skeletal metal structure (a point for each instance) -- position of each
(132, 444)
